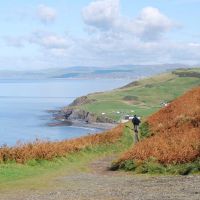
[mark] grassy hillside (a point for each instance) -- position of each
(174, 136)
(144, 96)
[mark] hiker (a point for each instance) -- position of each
(136, 122)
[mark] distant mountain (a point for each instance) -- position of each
(81, 72)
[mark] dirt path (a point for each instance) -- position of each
(101, 184)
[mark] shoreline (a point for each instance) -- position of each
(82, 124)
(68, 116)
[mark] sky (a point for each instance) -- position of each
(46, 34)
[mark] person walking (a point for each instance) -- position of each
(136, 122)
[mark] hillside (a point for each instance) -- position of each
(174, 134)
(142, 97)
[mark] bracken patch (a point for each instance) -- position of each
(175, 133)
(49, 150)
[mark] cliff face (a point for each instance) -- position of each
(73, 114)
(76, 114)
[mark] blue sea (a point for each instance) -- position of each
(24, 105)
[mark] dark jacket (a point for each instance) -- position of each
(136, 121)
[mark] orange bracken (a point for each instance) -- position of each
(50, 150)
(175, 133)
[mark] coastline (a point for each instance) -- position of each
(69, 116)
(82, 124)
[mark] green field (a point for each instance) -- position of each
(143, 97)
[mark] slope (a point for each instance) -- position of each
(142, 97)
(174, 133)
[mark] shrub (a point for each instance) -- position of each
(144, 130)
(128, 165)
(152, 166)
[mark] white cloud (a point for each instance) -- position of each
(101, 13)
(151, 23)
(50, 43)
(54, 41)
(121, 39)
(107, 49)
(110, 48)
(50, 40)
(105, 15)
(46, 14)
(116, 39)
(194, 44)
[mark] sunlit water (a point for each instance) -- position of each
(23, 106)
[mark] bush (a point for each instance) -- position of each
(152, 166)
(128, 165)
(184, 169)
(144, 130)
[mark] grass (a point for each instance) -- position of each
(147, 94)
(38, 173)
(153, 167)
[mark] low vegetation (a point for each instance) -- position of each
(173, 141)
(152, 166)
(40, 150)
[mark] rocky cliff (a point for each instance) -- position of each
(73, 114)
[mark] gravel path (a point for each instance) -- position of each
(100, 184)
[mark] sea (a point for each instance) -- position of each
(24, 106)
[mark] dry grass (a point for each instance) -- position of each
(48, 150)
(175, 133)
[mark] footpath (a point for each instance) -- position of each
(98, 183)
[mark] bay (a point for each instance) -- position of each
(23, 106)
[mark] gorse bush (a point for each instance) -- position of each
(41, 150)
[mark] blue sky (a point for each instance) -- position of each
(39, 34)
